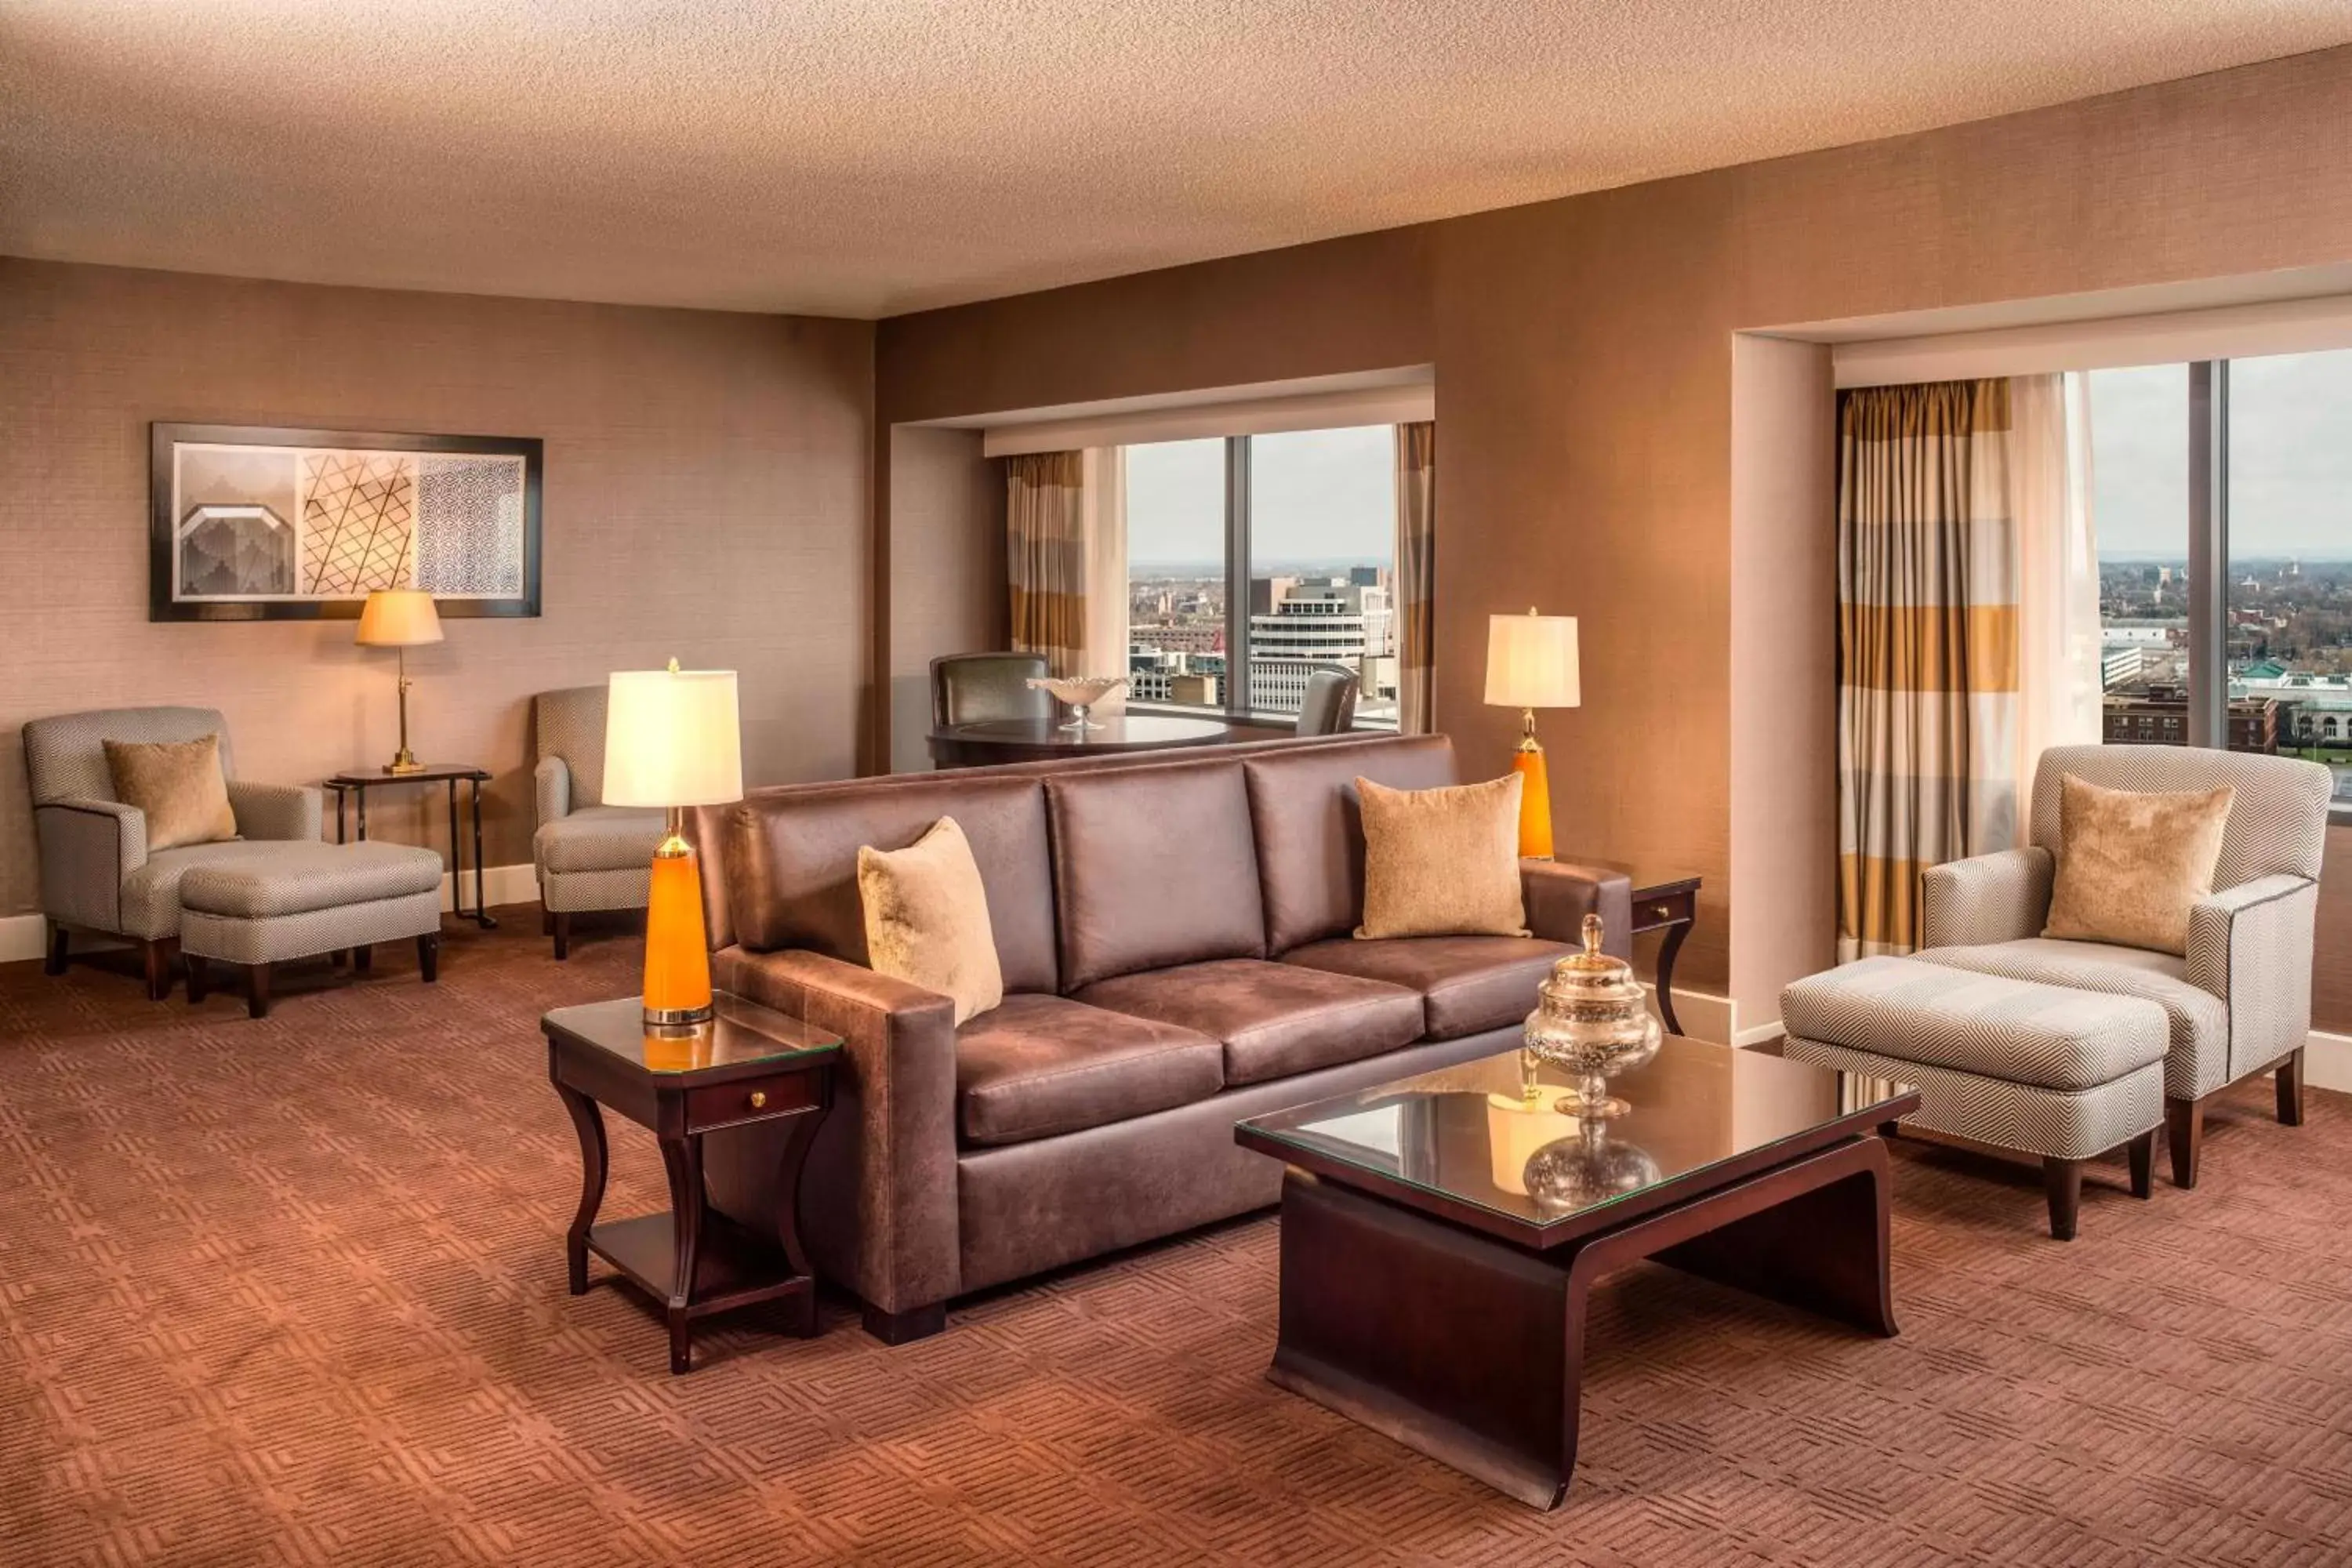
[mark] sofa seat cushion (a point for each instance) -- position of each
(2198, 1061)
(1274, 1020)
(1038, 1066)
(1467, 983)
(599, 838)
(289, 878)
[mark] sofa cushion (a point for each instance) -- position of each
(178, 785)
(927, 918)
(1273, 1019)
(599, 838)
(792, 864)
(1467, 983)
(1443, 862)
(2133, 863)
(1041, 1065)
(1308, 825)
(2198, 1059)
(1153, 868)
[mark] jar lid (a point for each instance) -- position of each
(1593, 975)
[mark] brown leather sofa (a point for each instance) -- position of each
(1175, 937)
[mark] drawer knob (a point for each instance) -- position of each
(758, 1099)
(1661, 912)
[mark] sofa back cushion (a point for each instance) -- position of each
(1154, 867)
(790, 864)
(1310, 832)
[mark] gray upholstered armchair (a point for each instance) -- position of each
(588, 856)
(97, 874)
(2239, 1003)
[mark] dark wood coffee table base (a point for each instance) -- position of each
(1471, 1351)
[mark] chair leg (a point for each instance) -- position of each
(2184, 1134)
(562, 932)
(363, 959)
(257, 990)
(54, 960)
(428, 955)
(2063, 1179)
(158, 954)
(2142, 1153)
(2290, 1089)
(199, 978)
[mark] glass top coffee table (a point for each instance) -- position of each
(1440, 1234)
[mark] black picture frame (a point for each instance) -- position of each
(164, 439)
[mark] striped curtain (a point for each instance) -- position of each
(1416, 573)
(1044, 511)
(1927, 646)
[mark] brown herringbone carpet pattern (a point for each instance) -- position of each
(292, 1292)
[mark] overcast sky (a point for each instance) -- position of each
(1314, 495)
(2289, 457)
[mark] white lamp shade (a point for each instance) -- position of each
(1531, 661)
(672, 738)
(399, 617)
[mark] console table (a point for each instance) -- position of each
(750, 1064)
(355, 782)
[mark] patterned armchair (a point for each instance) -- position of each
(588, 856)
(2240, 1002)
(97, 874)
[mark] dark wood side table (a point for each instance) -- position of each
(1672, 908)
(751, 1064)
(356, 782)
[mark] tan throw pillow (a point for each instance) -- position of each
(2130, 865)
(177, 785)
(927, 918)
(1442, 862)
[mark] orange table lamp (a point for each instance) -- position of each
(1531, 663)
(673, 738)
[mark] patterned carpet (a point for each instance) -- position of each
(292, 1292)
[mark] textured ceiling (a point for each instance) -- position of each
(865, 157)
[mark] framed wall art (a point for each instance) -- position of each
(257, 523)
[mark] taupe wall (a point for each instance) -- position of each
(707, 496)
(948, 585)
(1584, 375)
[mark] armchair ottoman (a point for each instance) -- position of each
(299, 900)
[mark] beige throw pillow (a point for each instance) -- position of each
(177, 785)
(1442, 862)
(927, 918)
(2130, 865)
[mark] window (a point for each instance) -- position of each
(2276, 434)
(1322, 538)
(1309, 520)
(1176, 631)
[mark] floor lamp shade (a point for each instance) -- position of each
(1531, 663)
(672, 738)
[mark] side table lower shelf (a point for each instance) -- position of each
(732, 1266)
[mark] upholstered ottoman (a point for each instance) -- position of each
(2044, 1069)
(303, 899)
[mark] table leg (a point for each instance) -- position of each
(363, 813)
(682, 1158)
(1667, 950)
(457, 859)
(802, 1133)
(588, 1121)
(482, 916)
(1825, 1246)
(339, 815)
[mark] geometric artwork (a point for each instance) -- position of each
(268, 525)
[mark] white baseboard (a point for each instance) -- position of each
(2327, 1061)
(21, 936)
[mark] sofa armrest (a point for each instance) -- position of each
(2251, 945)
(278, 811)
(552, 787)
(878, 1203)
(86, 847)
(2000, 897)
(1559, 894)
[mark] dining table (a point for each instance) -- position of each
(984, 742)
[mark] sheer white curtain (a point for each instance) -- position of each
(1103, 517)
(2058, 573)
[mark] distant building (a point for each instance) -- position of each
(2120, 665)
(2158, 716)
(2168, 632)
(1311, 627)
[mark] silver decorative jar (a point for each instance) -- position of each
(1591, 1021)
(1571, 1174)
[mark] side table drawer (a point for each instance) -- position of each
(750, 1099)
